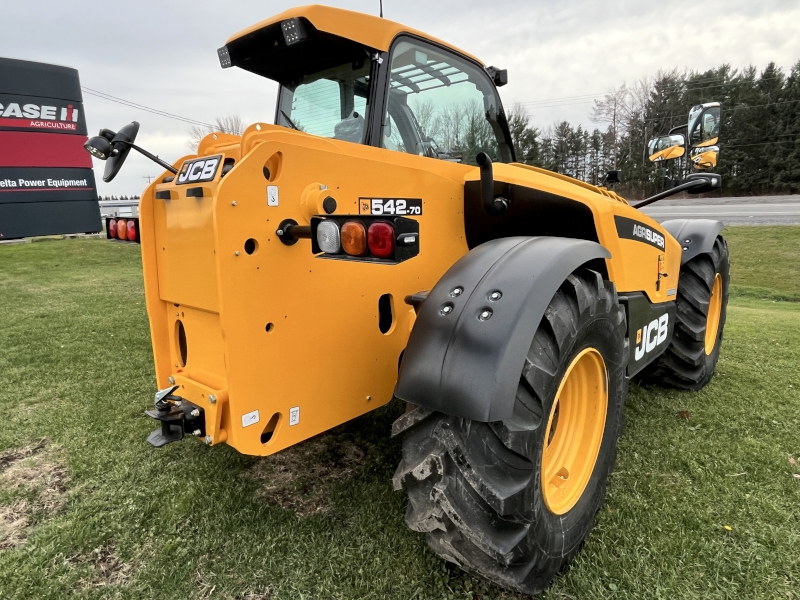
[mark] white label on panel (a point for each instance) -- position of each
(272, 195)
(250, 418)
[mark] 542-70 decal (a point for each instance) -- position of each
(406, 207)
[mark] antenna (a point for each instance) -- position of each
(381, 1)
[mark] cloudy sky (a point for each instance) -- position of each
(559, 54)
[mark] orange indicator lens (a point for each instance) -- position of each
(122, 229)
(354, 238)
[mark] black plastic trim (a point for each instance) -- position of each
(163, 195)
(646, 329)
(696, 236)
(194, 192)
(461, 365)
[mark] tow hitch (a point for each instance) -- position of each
(177, 416)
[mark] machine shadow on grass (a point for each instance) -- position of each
(300, 478)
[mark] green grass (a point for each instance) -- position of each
(765, 262)
(75, 368)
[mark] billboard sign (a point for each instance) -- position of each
(47, 185)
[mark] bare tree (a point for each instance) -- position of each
(612, 110)
(232, 124)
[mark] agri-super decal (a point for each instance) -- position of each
(199, 170)
(634, 230)
(406, 207)
(40, 114)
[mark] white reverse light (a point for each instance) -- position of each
(328, 237)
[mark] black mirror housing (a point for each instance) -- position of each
(712, 182)
(120, 148)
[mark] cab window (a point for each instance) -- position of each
(442, 106)
(331, 103)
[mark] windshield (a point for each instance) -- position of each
(704, 125)
(442, 106)
(331, 103)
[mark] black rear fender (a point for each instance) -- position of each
(467, 350)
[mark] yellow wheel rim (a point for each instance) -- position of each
(714, 312)
(574, 431)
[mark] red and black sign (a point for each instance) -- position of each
(47, 185)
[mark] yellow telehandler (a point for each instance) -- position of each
(379, 241)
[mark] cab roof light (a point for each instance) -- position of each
(354, 238)
(328, 237)
(380, 238)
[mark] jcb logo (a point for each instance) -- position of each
(651, 336)
(195, 171)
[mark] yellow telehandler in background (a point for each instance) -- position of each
(379, 241)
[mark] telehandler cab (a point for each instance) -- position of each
(380, 241)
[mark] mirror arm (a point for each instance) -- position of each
(152, 157)
(678, 128)
(666, 193)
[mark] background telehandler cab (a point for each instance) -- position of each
(380, 241)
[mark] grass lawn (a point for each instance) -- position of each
(704, 502)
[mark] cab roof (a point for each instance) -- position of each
(373, 32)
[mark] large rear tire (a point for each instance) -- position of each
(691, 358)
(514, 501)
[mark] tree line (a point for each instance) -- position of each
(759, 143)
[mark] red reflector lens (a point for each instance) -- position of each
(112, 228)
(122, 230)
(380, 238)
(132, 231)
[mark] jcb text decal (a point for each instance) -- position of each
(651, 336)
(634, 230)
(201, 169)
(390, 206)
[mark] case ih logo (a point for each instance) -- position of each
(36, 116)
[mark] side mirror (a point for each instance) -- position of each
(704, 124)
(712, 182)
(113, 147)
(666, 147)
(704, 157)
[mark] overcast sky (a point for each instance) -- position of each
(163, 54)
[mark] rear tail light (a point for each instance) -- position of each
(328, 237)
(380, 238)
(354, 238)
(365, 238)
(123, 229)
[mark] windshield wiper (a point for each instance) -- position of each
(289, 121)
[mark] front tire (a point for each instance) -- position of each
(691, 358)
(514, 501)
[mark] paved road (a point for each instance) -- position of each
(750, 210)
